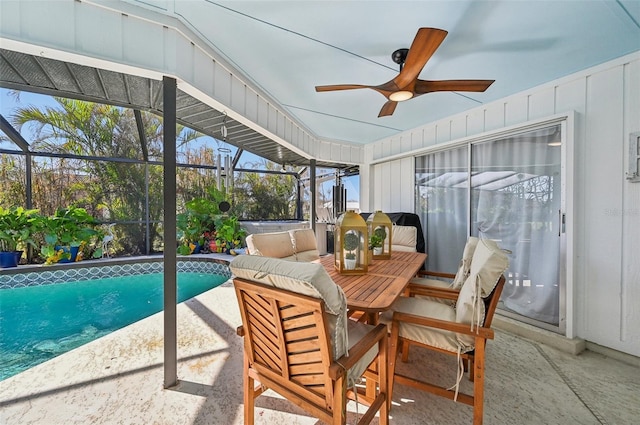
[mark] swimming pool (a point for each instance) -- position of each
(41, 321)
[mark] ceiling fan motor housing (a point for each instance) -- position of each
(399, 56)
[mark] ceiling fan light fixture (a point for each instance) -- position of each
(400, 96)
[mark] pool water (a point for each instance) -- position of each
(38, 323)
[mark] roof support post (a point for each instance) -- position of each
(312, 186)
(169, 89)
(299, 190)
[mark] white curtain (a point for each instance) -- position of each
(442, 206)
(515, 199)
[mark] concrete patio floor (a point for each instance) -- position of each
(118, 380)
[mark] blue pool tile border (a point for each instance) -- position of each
(41, 276)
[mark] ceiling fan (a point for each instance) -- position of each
(406, 84)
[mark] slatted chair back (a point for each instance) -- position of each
(286, 340)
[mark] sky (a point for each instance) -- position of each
(9, 102)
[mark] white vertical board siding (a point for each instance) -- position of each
(494, 116)
(238, 96)
(475, 121)
(393, 189)
(571, 97)
(541, 103)
(382, 187)
(606, 222)
(203, 71)
(603, 199)
(458, 127)
(630, 294)
(407, 190)
(516, 110)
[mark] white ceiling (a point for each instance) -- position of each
(289, 47)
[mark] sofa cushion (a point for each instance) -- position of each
(305, 245)
(404, 238)
(275, 245)
(309, 279)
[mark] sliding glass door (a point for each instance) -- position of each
(507, 189)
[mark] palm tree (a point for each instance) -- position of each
(113, 190)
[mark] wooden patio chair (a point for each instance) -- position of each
(459, 330)
(299, 343)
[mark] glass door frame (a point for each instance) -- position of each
(566, 216)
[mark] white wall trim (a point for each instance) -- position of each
(476, 138)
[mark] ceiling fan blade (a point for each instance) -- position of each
(388, 109)
(341, 87)
(427, 86)
(424, 45)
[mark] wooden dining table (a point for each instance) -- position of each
(377, 289)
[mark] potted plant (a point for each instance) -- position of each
(350, 244)
(196, 224)
(229, 234)
(191, 230)
(66, 233)
(376, 240)
(17, 227)
(375, 244)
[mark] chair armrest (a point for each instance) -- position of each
(240, 331)
(462, 328)
(357, 351)
(436, 274)
(430, 291)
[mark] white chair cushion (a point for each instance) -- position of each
(275, 245)
(469, 309)
(465, 264)
(439, 338)
(404, 238)
(309, 279)
(433, 283)
(463, 272)
(488, 264)
(464, 269)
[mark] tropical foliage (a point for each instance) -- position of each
(17, 228)
(266, 196)
(90, 156)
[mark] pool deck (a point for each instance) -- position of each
(118, 379)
